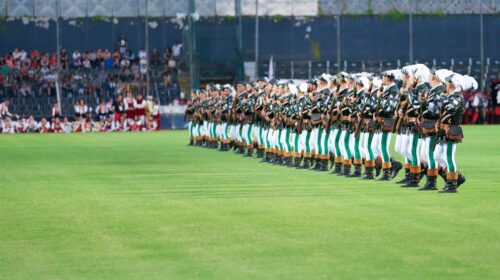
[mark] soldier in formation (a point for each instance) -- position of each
(342, 122)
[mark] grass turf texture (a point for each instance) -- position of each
(146, 206)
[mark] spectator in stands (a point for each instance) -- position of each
(108, 62)
(119, 108)
(44, 126)
(56, 111)
(155, 57)
(479, 108)
(86, 64)
(77, 59)
(4, 109)
(66, 126)
(81, 110)
(53, 62)
(93, 59)
(495, 98)
(44, 61)
(143, 63)
(140, 108)
(122, 44)
(56, 125)
(102, 111)
(177, 50)
(35, 58)
(8, 126)
(64, 59)
(32, 125)
(129, 106)
(167, 55)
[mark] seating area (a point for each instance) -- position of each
(29, 80)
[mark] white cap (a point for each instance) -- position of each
(377, 82)
(442, 74)
(303, 87)
(292, 88)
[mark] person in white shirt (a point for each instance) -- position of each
(44, 126)
(102, 110)
(7, 126)
(21, 125)
(176, 50)
(4, 109)
(77, 59)
(56, 110)
(23, 55)
(66, 126)
(32, 125)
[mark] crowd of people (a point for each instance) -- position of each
(127, 113)
(87, 73)
(342, 122)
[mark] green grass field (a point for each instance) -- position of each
(146, 206)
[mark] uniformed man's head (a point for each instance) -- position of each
(240, 87)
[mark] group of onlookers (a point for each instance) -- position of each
(24, 73)
(121, 114)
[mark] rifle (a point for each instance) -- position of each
(358, 127)
(399, 120)
(438, 125)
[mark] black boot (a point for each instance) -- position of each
(282, 160)
(337, 168)
(191, 142)
(357, 171)
(461, 180)
(430, 185)
(306, 164)
(396, 167)
(260, 153)
(423, 170)
(442, 174)
(276, 159)
(296, 162)
(267, 158)
(378, 169)
(413, 183)
(368, 173)
(316, 164)
(406, 179)
(386, 174)
(451, 187)
(347, 170)
(324, 165)
(249, 153)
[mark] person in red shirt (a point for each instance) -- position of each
(129, 107)
(56, 125)
(140, 108)
(56, 111)
(135, 124)
(53, 61)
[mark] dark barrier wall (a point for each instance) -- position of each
(362, 37)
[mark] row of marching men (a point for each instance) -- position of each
(342, 122)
